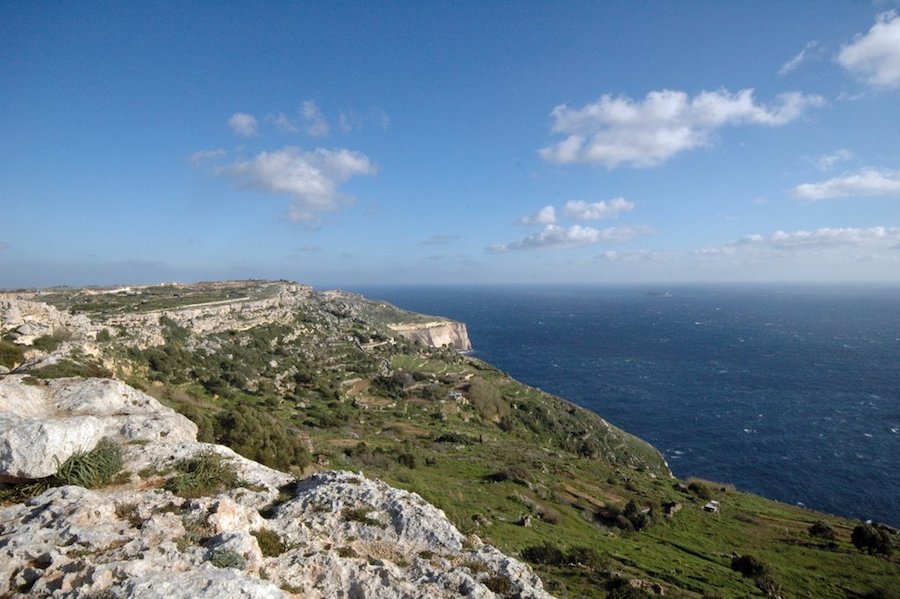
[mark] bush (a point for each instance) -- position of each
(206, 473)
(68, 368)
(497, 584)
(548, 554)
(516, 473)
(749, 566)
(757, 570)
(407, 459)
(227, 558)
(49, 343)
(11, 355)
(485, 397)
(822, 530)
(270, 542)
(871, 540)
(261, 437)
(701, 490)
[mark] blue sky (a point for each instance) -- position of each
(470, 142)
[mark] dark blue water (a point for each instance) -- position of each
(792, 393)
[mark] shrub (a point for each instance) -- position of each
(486, 399)
(497, 584)
(822, 530)
(206, 473)
(270, 542)
(548, 554)
(620, 588)
(227, 558)
(49, 343)
(586, 556)
(407, 459)
(455, 439)
(871, 540)
(261, 437)
(757, 570)
(701, 490)
(67, 368)
(11, 355)
(516, 473)
(749, 566)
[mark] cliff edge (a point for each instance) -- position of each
(262, 534)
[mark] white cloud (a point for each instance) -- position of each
(348, 122)
(283, 123)
(872, 237)
(581, 210)
(826, 161)
(867, 182)
(799, 59)
(317, 126)
(199, 157)
(310, 178)
(875, 56)
(555, 236)
(618, 130)
(544, 216)
(243, 124)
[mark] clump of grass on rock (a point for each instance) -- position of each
(206, 473)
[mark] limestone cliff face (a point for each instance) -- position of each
(343, 535)
(215, 317)
(437, 333)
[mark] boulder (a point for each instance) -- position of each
(42, 423)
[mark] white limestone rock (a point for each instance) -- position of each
(344, 535)
(42, 423)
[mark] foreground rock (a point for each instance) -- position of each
(335, 534)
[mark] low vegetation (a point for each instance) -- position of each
(206, 473)
(91, 469)
(588, 505)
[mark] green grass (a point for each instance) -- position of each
(559, 459)
(90, 469)
(206, 473)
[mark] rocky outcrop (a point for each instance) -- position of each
(236, 314)
(437, 333)
(42, 423)
(26, 320)
(334, 534)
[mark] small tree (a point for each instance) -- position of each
(872, 540)
(822, 530)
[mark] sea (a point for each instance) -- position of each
(790, 392)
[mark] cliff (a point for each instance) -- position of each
(354, 453)
(436, 333)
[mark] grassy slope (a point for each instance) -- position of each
(559, 462)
